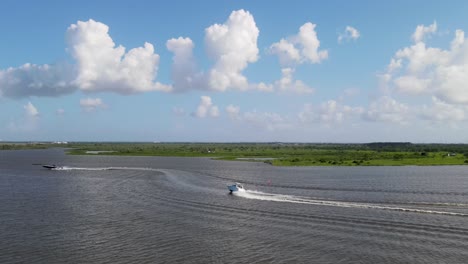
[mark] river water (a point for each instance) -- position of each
(106, 209)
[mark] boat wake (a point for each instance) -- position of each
(70, 168)
(249, 194)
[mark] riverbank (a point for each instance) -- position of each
(279, 154)
(295, 154)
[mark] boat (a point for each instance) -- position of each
(49, 166)
(235, 187)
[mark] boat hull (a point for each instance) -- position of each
(235, 188)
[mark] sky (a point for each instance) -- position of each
(234, 71)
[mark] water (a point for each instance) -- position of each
(104, 209)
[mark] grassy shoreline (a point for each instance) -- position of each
(279, 154)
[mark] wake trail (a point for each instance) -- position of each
(70, 168)
(257, 195)
(305, 200)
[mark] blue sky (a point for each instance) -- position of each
(229, 71)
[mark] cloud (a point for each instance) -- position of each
(451, 83)
(184, 70)
(36, 80)
(328, 113)
(387, 109)
(411, 84)
(300, 48)
(31, 110)
(28, 123)
(266, 120)
(287, 53)
(307, 38)
(264, 87)
(422, 30)
(350, 33)
(349, 93)
(233, 112)
(443, 112)
(206, 108)
(297, 49)
(178, 111)
(101, 66)
(91, 104)
(422, 70)
(232, 45)
(60, 111)
(288, 84)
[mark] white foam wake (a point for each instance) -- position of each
(69, 168)
(305, 200)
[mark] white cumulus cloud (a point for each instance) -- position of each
(387, 109)
(287, 53)
(232, 45)
(206, 108)
(269, 121)
(300, 48)
(328, 113)
(441, 111)
(422, 30)
(292, 51)
(28, 123)
(31, 110)
(350, 33)
(103, 66)
(184, 69)
(100, 66)
(422, 70)
(288, 84)
(91, 104)
(411, 84)
(233, 112)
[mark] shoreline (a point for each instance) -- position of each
(279, 154)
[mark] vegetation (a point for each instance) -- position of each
(24, 145)
(283, 154)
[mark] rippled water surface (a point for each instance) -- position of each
(104, 209)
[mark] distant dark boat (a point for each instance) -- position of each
(50, 166)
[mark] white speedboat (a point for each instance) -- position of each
(235, 187)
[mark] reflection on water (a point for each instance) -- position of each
(165, 210)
